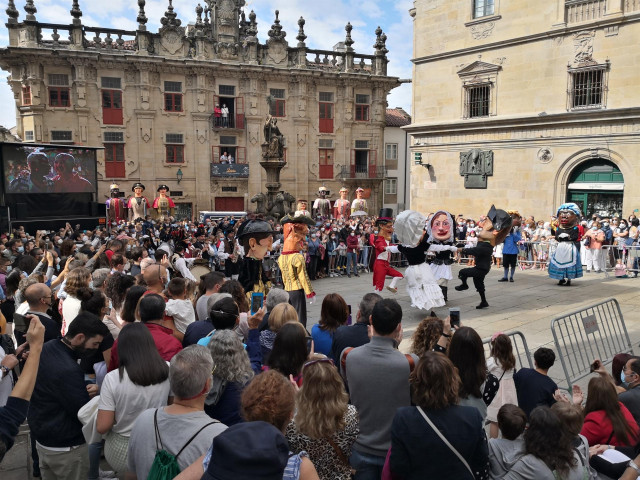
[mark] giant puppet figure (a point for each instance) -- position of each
(440, 231)
(293, 265)
(495, 227)
(383, 249)
(342, 206)
(359, 203)
(163, 204)
(137, 204)
(565, 264)
(322, 205)
(256, 237)
(116, 209)
(422, 286)
(302, 209)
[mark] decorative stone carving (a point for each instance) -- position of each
(583, 47)
(482, 30)
(171, 33)
(545, 155)
(475, 166)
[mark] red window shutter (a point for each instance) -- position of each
(326, 118)
(240, 112)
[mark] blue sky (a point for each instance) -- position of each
(325, 21)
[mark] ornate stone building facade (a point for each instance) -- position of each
(186, 106)
(526, 104)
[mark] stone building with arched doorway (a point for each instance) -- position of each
(525, 105)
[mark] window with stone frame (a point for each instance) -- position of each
(362, 107)
(26, 95)
(391, 186)
(59, 94)
(479, 89)
(174, 148)
(588, 86)
(478, 100)
(173, 96)
(277, 107)
(483, 8)
(114, 166)
(325, 106)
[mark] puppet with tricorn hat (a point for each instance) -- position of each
(256, 237)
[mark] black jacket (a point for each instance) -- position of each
(59, 394)
(482, 253)
(348, 336)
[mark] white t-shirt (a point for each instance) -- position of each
(182, 312)
(129, 400)
(70, 310)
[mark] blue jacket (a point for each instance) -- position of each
(510, 246)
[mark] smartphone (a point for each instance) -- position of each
(454, 316)
(257, 300)
(20, 323)
(594, 366)
(349, 318)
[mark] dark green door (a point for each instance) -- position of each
(595, 186)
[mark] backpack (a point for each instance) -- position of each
(165, 465)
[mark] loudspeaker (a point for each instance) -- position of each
(94, 209)
(22, 212)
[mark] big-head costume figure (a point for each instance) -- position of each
(566, 263)
(137, 204)
(495, 227)
(116, 208)
(293, 265)
(302, 209)
(163, 204)
(256, 237)
(421, 284)
(359, 203)
(342, 206)
(322, 205)
(441, 237)
(383, 248)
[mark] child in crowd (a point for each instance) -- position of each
(506, 451)
(572, 418)
(342, 257)
(621, 269)
(472, 241)
(543, 252)
(178, 306)
(497, 255)
(332, 244)
(501, 364)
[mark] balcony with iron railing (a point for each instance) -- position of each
(363, 172)
(577, 11)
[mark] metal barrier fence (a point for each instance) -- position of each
(520, 349)
(620, 259)
(596, 331)
(535, 255)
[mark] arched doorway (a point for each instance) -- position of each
(597, 186)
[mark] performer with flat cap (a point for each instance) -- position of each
(137, 204)
(495, 227)
(163, 204)
(293, 265)
(116, 209)
(256, 237)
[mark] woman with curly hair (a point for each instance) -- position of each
(432, 334)
(115, 288)
(417, 450)
(478, 387)
(76, 279)
(324, 425)
(549, 454)
(231, 372)
(333, 314)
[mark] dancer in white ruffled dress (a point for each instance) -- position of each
(421, 284)
(441, 238)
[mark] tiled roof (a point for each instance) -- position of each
(397, 117)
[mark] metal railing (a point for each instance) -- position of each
(581, 336)
(520, 348)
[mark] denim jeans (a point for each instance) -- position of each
(352, 261)
(367, 467)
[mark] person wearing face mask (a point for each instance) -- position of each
(313, 247)
(630, 378)
(53, 412)
(620, 235)
(593, 240)
(352, 254)
(332, 253)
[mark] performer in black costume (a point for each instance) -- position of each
(256, 237)
(495, 227)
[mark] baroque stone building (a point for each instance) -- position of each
(526, 104)
(167, 106)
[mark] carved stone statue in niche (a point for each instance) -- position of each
(475, 167)
(273, 137)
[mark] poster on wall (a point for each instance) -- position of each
(48, 169)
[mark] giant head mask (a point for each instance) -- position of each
(568, 215)
(440, 227)
(495, 226)
(256, 236)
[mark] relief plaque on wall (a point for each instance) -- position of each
(475, 167)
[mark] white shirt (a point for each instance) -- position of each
(224, 111)
(129, 400)
(180, 264)
(182, 312)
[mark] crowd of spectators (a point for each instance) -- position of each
(123, 355)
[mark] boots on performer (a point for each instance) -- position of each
(483, 301)
(444, 292)
(463, 285)
(392, 285)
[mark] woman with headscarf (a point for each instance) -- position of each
(421, 284)
(441, 236)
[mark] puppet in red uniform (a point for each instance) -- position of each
(116, 209)
(383, 249)
(137, 205)
(163, 204)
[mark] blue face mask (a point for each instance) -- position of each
(622, 379)
(20, 249)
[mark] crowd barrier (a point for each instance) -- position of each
(581, 336)
(535, 255)
(612, 256)
(520, 349)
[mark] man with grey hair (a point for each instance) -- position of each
(98, 277)
(357, 334)
(182, 425)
